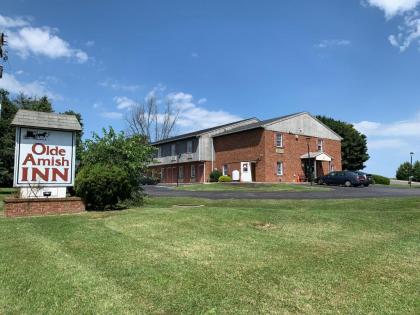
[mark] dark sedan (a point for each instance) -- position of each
(346, 178)
(368, 178)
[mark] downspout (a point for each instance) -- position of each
(212, 155)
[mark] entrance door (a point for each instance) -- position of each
(246, 174)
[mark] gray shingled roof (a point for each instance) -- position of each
(29, 118)
(198, 132)
(256, 125)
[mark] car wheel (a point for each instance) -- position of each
(347, 183)
(366, 185)
(321, 182)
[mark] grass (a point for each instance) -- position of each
(228, 256)
(250, 187)
(5, 192)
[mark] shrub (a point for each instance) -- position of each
(214, 176)
(378, 179)
(225, 179)
(149, 180)
(103, 186)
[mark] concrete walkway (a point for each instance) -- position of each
(334, 193)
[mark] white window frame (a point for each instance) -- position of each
(162, 173)
(320, 145)
(192, 175)
(159, 153)
(173, 149)
(181, 172)
(225, 170)
(279, 136)
(189, 146)
(281, 173)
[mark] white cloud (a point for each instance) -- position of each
(326, 43)
(34, 88)
(390, 143)
(43, 41)
(394, 7)
(409, 29)
(124, 102)
(194, 117)
(112, 115)
(202, 101)
(8, 22)
(119, 86)
(90, 43)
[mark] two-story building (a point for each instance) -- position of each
(280, 149)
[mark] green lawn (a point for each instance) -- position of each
(250, 187)
(5, 192)
(254, 256)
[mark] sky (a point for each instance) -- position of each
(220, 61)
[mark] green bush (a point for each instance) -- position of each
(214, 176)
(225, 179)
(103, 186)
(378, 179)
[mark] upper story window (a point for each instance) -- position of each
(189, 146)
(320, 145)
(159, 152)
(279, 140)
(173, 149)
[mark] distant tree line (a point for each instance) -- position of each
(404, 171)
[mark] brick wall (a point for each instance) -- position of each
(258, 145)
(171, 172)
(16, 207)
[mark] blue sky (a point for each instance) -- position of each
(220, 61)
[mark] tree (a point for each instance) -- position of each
(79, 134)
(354, 149)
(111, 169)
(7, 139)
(42, 104)
(147, 120)
(403, 171)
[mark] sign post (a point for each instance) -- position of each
(44, 163)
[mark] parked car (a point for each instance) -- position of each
(368, 178)
(346, 178)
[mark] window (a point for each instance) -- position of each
(173, 149)
(225, 170)
(181, 172)
(192, 171)
(331, 167)
(320, 145)
(279, 140)
(159, 153)
(280, 168)
(189, 146)
(162, 174)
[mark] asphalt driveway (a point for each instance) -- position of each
(334, 193)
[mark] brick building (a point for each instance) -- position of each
(282, 149)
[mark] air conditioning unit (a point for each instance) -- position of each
(189, 156)
(173, 158)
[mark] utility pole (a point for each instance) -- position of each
(3, 52)
(410, 179)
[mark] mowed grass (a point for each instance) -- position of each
(250, 187)
(248, 256)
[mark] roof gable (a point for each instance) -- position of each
(29, 118)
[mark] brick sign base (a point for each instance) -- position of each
(16, 207)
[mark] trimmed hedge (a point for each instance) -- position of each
(225, 179)
(382, 180)
(103, 186)
(214, 176)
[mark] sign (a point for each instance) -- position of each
(44, 157)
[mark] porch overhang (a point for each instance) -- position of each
(318, 156)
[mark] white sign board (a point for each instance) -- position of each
(44, 157)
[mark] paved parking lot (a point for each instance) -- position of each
(334, 193)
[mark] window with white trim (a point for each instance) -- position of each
(279, 168)
(159, 153)
(192, 171)
(162, 174)
(225, 170)
(181, 172)
(279, 140)
(189, 146)
(173, 149)
(320, 145)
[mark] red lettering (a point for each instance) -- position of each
(36, 145)
(62, 152)
(24, 174)
(29, 158)
(37, 172)
(64, 176)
